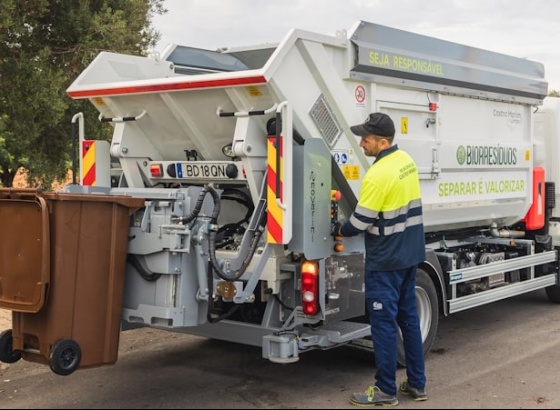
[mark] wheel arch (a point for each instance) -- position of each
(433, 268)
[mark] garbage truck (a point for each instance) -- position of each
(243, 158)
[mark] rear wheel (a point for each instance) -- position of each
(553, 293)
(7, 354)
(428, 314)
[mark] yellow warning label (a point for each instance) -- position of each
(254, 91)
(404, 125)
(98, 101)
(527, 155)
(351, 172)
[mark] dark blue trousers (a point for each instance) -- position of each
(391, 303)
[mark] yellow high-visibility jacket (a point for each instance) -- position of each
(389, 212)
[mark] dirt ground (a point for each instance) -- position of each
(5, 319)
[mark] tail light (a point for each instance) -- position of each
(156, 170)
(310, 287)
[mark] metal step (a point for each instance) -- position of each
(343, 332)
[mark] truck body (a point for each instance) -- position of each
(244, 158)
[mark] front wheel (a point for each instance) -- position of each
(428, 314)
(65, 357)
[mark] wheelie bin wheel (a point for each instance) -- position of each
(65, 357)
(7, 355)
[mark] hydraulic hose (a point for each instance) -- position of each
(212, 242)
(198, 205)
(145, 273)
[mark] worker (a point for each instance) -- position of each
(389, 213)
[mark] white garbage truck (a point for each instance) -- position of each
(243, 158)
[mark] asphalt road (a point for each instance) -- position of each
(504, 355)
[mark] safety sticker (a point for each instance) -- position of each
(254, 91)
(341, 157)
(360, 94)
(351, 172)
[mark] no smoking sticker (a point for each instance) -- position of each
(360, 94)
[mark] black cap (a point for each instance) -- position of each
(376, 123)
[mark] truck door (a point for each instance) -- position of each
(416, 132)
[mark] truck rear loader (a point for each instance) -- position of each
(237, 161)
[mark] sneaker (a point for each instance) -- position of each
(373, 396)
(416, 394)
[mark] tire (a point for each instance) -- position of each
(65, 357)
(428, 313)
(7, 355)
(553, 293)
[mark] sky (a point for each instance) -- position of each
(522, 28)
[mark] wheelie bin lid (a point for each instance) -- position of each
(24, 250)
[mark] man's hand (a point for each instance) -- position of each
(335, 229)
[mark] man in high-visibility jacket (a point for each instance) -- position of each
(389, 213)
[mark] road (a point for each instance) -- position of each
(504, 355)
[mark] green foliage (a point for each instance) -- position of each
(554, 93)
(44, 46)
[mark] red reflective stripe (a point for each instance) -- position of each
(89, 177)
(154, 88)
(88, 163)
(274, 228)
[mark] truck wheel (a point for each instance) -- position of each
(7, 355)
(65, 357)
(553, 293)
(428, 313)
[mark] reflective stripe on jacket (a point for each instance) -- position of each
(389, 212)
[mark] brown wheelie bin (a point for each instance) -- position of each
(62, 268)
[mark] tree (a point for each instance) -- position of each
(44, 46)
(554, 93)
